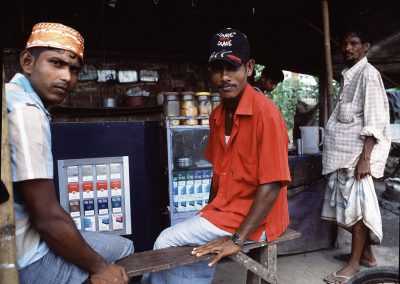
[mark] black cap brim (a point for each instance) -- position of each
(227, 56)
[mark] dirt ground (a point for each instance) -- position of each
(312, 267)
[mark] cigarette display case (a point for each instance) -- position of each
(189, 173)
(95, 192)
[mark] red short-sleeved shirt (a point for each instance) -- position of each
(255, 154)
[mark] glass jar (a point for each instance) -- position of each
(171, 106)
(204, 106)
(189, 108)
(215, 100)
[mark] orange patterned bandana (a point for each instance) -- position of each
(57, 36)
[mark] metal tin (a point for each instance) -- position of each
(183, 162)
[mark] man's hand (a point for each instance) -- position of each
(222, 246)
(363, 169)
(262, 204)
(111, 273)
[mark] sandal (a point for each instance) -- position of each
(334, 278)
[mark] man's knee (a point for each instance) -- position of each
(115, 248)
(163, 240)
(129, 248)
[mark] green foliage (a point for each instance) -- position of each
(286, 96)
(336, 88)
(257, 72)
(289, 92)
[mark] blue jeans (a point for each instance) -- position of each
(191, 232)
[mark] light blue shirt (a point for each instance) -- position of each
(31, 158)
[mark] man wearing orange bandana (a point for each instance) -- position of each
(50, 249)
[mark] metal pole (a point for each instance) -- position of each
(328, 59)
(8, 266)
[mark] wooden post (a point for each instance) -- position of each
(323, 119)
(328, 59)
(8, 267)
(267, 257)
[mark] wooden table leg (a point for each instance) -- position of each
(266, 256)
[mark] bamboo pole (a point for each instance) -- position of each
(8, 267)
(328, 59)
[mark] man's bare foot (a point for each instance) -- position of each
(366, 260)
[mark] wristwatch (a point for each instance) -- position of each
(236, 240)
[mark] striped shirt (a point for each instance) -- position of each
(362, 110)
(31, 158)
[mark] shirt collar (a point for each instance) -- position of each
(244, 108)
(349, 73)
(258, 89)
(20, 80)
(245, 103)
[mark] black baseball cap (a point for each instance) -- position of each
(230, 45)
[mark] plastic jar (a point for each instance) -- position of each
(171, 106)
(215, 100)
(204, 106)
(189, 108)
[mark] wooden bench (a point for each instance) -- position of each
(261, 266)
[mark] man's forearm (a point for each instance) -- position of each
(61, 235)
(369, 143)
(56, 227)
(363, 167)
(265, 197)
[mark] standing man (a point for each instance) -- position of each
(357, 143)
(269, 80)
(49, 247)
(247, 147)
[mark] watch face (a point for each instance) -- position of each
(236, 240)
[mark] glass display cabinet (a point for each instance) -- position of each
(189, 173)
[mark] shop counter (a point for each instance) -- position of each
(305, 197)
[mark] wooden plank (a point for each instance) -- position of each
(8, 267)
(288, 235)
(156, 260)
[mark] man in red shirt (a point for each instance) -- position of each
(247, 147)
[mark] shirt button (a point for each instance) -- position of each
(224, 173)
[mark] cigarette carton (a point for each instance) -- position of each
(190, 191)
(182, 194)
(198, 190)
